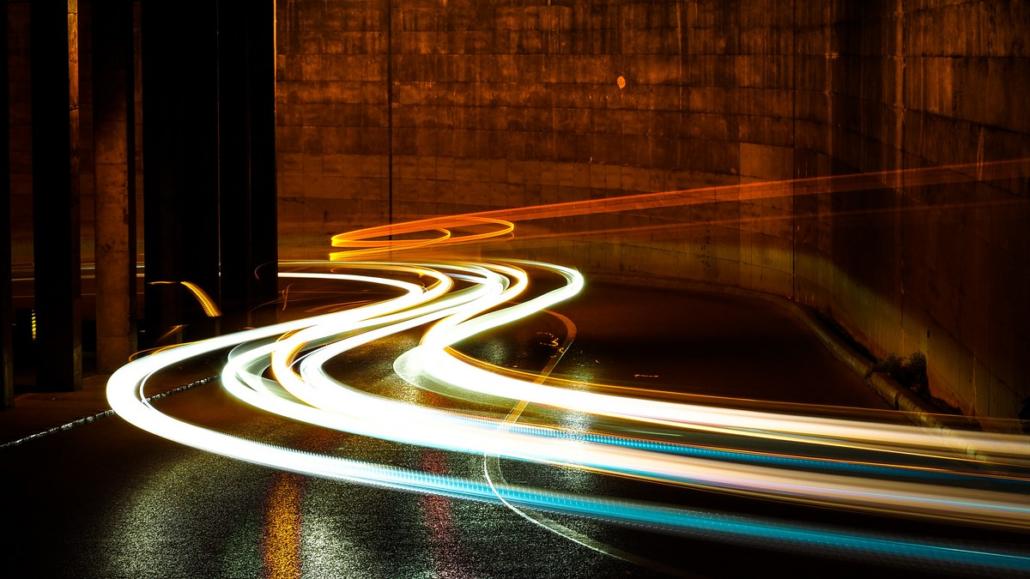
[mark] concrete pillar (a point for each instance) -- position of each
(6, 356)
(55, 194)
(209, 141)
(246, 162)
(180, 144)
(114, 169)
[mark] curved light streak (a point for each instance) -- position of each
(461, 300)
(207, 304)
(367, 242)
(125, 394)
(350, 410)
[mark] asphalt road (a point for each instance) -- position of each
(110, 500)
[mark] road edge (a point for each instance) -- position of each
(898, 397)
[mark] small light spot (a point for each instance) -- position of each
(621, 81)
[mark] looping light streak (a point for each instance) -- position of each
(368, 242)
(312, 396)
(913, 472)
(737, 193)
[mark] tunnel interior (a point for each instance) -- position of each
(381, 112)
(515, 288)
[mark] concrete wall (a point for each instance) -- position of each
(332, 115)
(918, 84)
(498, 105)
(407, 109)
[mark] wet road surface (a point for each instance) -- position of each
(110, 500)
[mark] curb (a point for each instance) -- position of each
(898, 397)
(103, 414)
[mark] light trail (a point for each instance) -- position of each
(372, 242)
(355, 412)
(130, 380)
(492, 472)
(207, 304)
(432, 359)
(913, 471)
(366, 242)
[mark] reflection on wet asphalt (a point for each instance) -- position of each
(109, 500)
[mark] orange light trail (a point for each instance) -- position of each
(369, 239)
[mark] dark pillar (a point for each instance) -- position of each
(6, 357)
(246, 55)
(209, 146)
(115, 180)
(55, 197)
(180, 148)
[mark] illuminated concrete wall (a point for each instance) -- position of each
(507, 104)
(331, 97)
(498, 105)
(916, 84)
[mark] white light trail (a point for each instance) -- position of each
(314, 397)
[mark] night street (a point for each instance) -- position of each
(470, 288)
(141, 506)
